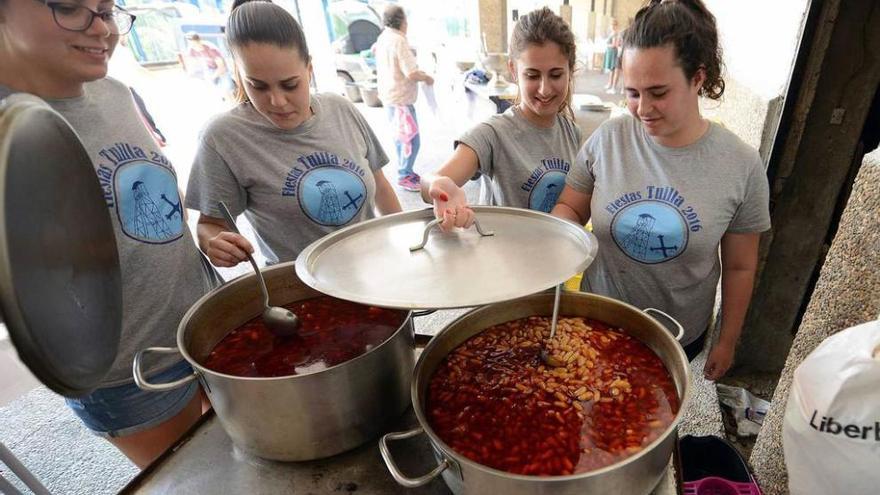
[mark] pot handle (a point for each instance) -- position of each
(141, 381)
(399, 477)
(675, 322)
(436, 222)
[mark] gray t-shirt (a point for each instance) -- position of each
(294, 186)
(162, 270)
(659, 214)
(523, 165)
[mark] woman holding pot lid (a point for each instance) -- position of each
(298, 165)
(665, 187)
(59, 51)
(527, 151)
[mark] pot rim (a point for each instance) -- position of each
(460, 459)
(200, 368)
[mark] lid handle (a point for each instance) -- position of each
(436, 222)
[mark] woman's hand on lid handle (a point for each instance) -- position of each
(450, 204)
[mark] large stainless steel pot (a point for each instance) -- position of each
(638, 474)
(293, 418)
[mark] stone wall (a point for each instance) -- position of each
(749, 115)
(847, 294)
(759, 43)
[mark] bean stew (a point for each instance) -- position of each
(494, 401)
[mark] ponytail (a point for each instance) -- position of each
(689, 27)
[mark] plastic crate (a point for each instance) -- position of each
(711, 466)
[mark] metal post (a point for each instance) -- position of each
(327, 19)
(6, 487)
(14, 465)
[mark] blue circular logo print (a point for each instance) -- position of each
(545, 193)
(650, 231)
(148, 203)
(331, 196)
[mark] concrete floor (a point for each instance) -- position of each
(37, 426)
(15, 378)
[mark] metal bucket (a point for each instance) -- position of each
(370, 94)
(292, 418)
(353, 92)
(638, 474)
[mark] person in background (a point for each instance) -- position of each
(398, 77)
(665, 188)
(204, 61)
(60, 51)
(298, 165)
(524, 154)
(612, 57)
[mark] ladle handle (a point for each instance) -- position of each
(434, 223)
(231, 223)
(553, 323)
(396, 473)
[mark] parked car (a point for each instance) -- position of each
(355, 26)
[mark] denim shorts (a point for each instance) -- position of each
(126, 409)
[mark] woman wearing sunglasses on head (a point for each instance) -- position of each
(59, 51)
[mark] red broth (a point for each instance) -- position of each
(494, 401)
(333, 331)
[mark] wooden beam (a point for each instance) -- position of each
(841, 77)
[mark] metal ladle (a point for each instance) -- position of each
(281, 321)
(545, 356)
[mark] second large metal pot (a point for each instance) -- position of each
(636, 475)
(292, 418)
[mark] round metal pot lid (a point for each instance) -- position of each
(376, 263)
(60, 286)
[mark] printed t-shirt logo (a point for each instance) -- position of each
(545, 184)
(544, 195)
(330, 190)
(331, 195)
(147, 202)
(650, 231)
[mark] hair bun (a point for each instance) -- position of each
(238, 3)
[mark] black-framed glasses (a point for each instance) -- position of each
(75, 17)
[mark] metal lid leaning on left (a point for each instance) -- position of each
(60, 284)
(515, 252)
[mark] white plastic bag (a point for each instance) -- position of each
(748, 410)
(430, 99)
(831, 430)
